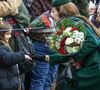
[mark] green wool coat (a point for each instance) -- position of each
(23, 17)
(89, 75)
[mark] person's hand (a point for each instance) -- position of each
(27, 57)
(28, 29)
(54, 14)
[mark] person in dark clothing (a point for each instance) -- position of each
(96, 16)
(37, 7)
(42, 76)
(9, 60)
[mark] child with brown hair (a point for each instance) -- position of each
(9, 60)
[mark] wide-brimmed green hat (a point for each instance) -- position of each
(59, 2)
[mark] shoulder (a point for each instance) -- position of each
(4, 48)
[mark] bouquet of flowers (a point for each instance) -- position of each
(41, 22)
(68, 36)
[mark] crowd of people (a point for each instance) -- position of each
(26, 60)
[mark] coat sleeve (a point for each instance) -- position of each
(8, 7)
(23, 17)
(10, 58)
(89, 45)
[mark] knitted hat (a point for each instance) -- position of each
(59, 2)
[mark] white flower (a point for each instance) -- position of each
(57, 45)
(75, 34)
(67, 33)
(81, 34)
(58, 40)
(69, 49)
(81, 39)
(68, 29)
(60, 36)
(72, 49)
(75, 49)
(50, 38)
(69, 41)
(77, 40)
(76, 31)
(78, 37)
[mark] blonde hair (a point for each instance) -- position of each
(70, 9)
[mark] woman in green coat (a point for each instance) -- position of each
(88, 76)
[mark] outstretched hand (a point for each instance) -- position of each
(42, 58)
(27, 57)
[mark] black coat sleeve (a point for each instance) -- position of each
(8, 58)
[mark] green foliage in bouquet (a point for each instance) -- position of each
(37, 23)
(74, 22)
(68, 36)
(41, 22)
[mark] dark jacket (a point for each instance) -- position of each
(8, 68)
(37, 7)
(20, 40)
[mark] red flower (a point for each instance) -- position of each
(74, 29)
(78, 64)
(61, 50)
(58, 33)
(62, 43)
(46, 21)
(62, 28)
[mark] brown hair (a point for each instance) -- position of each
(70, 9)
(4, 27)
